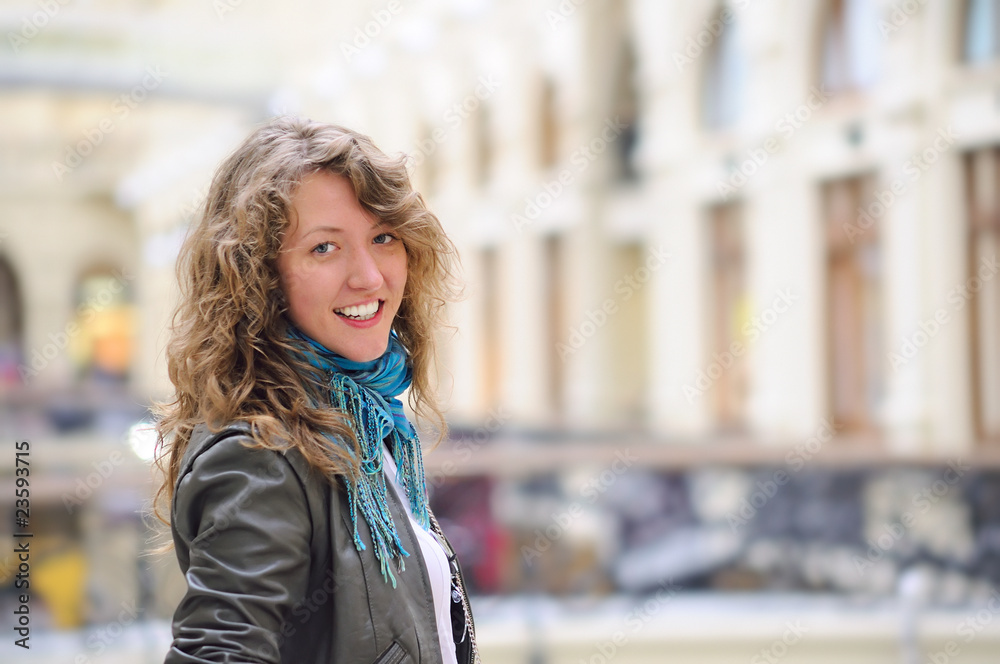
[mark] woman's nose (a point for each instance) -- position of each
(365, 273)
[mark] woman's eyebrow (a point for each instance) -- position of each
(328, 229)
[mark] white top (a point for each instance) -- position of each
(436, 561)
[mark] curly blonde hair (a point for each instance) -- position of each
(229, 357)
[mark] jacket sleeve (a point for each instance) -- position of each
(241, 514)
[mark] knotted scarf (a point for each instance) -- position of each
(366, 392)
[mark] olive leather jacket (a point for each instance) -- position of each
(266, 546)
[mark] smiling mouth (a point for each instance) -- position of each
(362, 312)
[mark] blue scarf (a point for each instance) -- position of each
(366, 392)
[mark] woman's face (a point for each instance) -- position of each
(342, 274)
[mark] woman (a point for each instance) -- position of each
(311, 289)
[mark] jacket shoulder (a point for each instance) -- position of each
(203, 439)
(234, 444)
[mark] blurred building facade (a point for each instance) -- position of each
(694, 218)
(747, 218)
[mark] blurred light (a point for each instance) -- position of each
(418, 35)
(141, 437)
(471, 9)
(370, 62)
(915, 584)
(162, 249)
(330, 82)
(284, 101)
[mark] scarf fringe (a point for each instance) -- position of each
(367, 393)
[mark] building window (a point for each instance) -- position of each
(482, 140)
(982, 289)
(981, 31)
(427, 159)
(104, 345)
(724, 78)
(855, 365)
(850, 45)
(628, 324)
(11, 326)
(492, 360)
(729, 306)
(555, 299)
(626, 111)
(548, 126)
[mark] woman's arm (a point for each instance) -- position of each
(242, 522)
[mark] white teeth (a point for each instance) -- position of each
(363, 312)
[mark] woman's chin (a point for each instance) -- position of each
(364, 352)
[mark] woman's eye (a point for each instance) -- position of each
(384, 238)
(323, 248)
